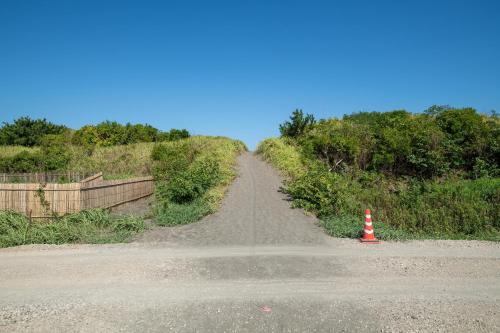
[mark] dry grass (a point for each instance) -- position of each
(9, 151)
(115, 162)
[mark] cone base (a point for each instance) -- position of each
(371, 241)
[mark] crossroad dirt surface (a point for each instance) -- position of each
(256, 266)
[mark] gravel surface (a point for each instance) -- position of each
(256, 266)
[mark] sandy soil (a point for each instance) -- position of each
(256, 266)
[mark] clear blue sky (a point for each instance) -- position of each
(238, 68)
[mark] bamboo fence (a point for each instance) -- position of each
(43, 177)
(49, 199)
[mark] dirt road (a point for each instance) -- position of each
(254, 213)
(256, 266)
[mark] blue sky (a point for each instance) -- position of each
(238, 68)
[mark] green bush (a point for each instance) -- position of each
(24, 161)
(53, 155)
(322, 192)
(190, 176)
(339, 144)
(172, 158)
(437, 143)
(92, 226)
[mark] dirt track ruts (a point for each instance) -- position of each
(215, 275)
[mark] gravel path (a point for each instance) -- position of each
(254, 213)
(256, 266)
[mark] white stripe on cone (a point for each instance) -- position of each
(368, 224)
(369, 232)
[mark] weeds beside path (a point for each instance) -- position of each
(402, 209)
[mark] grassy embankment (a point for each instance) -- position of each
(402, 208)
(116, 162)
(191, 176)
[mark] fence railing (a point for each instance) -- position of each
(49, 199)
(43, 177)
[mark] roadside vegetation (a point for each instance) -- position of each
(192, 176)
(92, 226)
(429, 175)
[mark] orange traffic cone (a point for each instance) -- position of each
(368, 235)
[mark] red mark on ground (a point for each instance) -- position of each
(265, 309)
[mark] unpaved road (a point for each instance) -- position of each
(216, 275)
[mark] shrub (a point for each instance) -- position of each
(172, 158)
(399, 143)
(24, 161)
(339, 144)
(54, 149)
(53, 155)
(322, 192)
(194, 182)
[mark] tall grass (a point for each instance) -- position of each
(283, 155)
(116, 162)
(9, 151)
(92, 226)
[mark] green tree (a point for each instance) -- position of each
(28, 132)
(174, 134)
(469, 135)
(298, 124)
